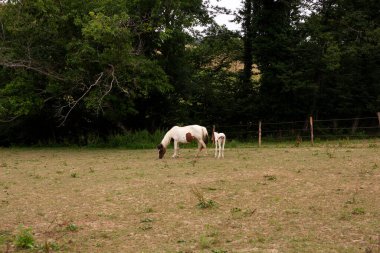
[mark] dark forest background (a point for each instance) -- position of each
(73, 69)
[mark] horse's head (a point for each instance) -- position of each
(161, 151)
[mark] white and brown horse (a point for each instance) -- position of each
(184, 134)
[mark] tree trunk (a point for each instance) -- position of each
(248, 43)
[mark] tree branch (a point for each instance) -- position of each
(75, 102)
(9, 120)
(108, 90)
(28, 65)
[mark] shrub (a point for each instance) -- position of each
(206, 242)
(270, 177)
(203, 203)
(72, 227)
(358, 211)
(24, 239)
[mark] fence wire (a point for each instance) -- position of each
(323, 129)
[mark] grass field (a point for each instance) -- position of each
(324, 198)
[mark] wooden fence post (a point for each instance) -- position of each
(311, 131)
(260, 133)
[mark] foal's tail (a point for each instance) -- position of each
(204, 135)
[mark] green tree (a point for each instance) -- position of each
(315, 58)
(91, 66)
(343, 40)
(275, 49)
(215, 66)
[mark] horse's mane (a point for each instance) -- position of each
(167, 138)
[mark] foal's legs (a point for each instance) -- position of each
(223, 142)
(219, 147)
(220, 141)
(216, 148)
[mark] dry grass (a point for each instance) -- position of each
(295, 199)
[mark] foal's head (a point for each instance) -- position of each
(161, 151)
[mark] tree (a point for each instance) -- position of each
(275, 48)
(248, 17)
(86, 64)
(344, 36)
(215, 80)
(76, 51)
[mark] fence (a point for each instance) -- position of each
(307, 130)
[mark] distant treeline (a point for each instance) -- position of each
(74, 70)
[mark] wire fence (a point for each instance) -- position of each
(306, 130)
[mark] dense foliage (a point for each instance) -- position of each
(72, 69)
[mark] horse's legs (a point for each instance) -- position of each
(176, 148)
(199, 148)
(202, 145)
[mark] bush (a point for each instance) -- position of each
(136, 140)
(24, 239)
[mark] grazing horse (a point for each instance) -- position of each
(184, 134)
(219, 139)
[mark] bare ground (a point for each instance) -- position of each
(295, 199)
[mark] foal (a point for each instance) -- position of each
(219, 139)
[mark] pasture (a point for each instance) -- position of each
(324, 198)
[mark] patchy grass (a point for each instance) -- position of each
(270, 199)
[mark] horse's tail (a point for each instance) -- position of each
(204, 135)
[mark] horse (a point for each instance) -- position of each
(183, 134)
(219, 139)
